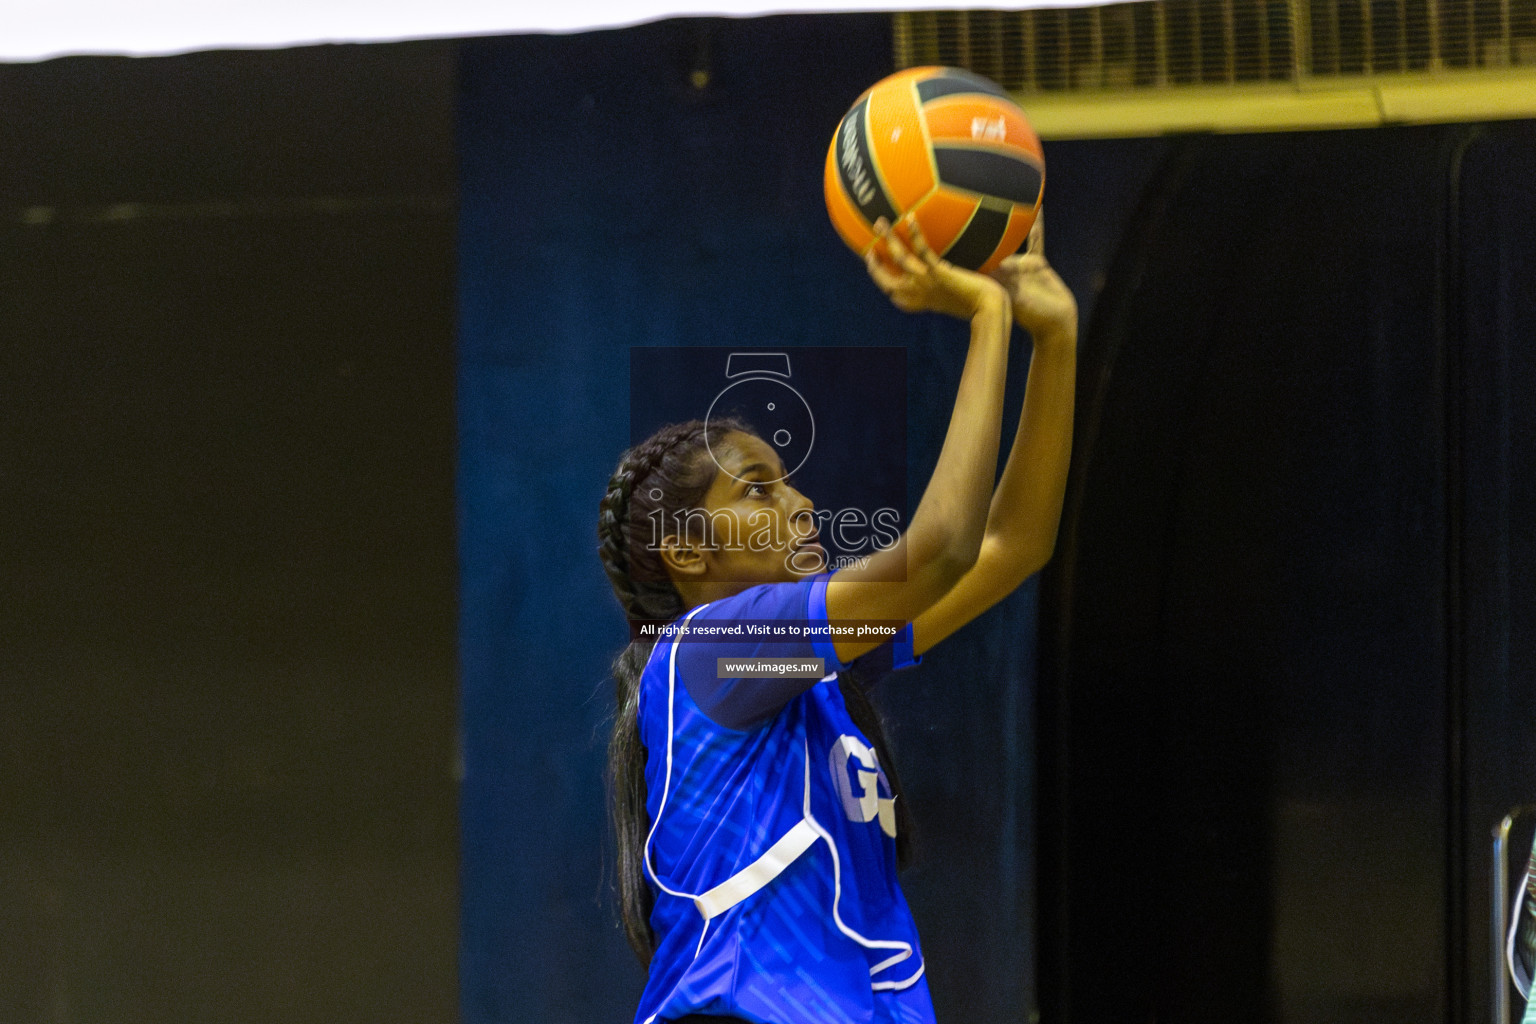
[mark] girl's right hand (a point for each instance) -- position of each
(915, 279)
(1042, 304)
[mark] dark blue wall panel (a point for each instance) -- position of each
(607, 202)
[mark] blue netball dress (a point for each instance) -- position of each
(771, 851)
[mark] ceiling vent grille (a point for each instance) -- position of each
(1261, 49)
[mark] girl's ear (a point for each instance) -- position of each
(682, 557)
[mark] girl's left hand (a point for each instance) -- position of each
(1042, 303)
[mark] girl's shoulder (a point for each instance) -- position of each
(797, 599)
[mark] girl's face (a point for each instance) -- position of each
(762, 529)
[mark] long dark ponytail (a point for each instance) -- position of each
(658, 480)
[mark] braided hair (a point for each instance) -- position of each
(661, 479)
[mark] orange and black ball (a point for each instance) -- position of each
(947, 145)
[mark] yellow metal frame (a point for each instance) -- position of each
(1309, 99)
(1320, 103)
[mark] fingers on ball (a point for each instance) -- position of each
(902, 250)
(917, 241)
(1035, 245)
(884, 278)
(880, 252)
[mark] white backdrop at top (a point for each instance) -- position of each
(39, 29)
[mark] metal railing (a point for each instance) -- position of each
(1512, 842)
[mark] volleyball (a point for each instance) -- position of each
(947, 145)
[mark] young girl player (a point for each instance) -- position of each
(758, 817)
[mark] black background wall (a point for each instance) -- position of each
(227, 662)
(1288, 678)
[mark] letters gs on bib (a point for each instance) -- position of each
(951, 147)
(849, 760)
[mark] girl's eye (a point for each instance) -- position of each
(761, 487)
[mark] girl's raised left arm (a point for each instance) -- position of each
(1025, 512)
